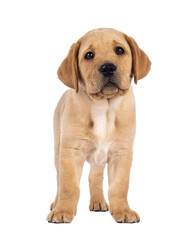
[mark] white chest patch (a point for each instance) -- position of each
(100, 122)
(103, 116)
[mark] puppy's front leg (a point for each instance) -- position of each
(70, 169)
(118, 174)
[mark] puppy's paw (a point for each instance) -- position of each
(60, 216)
(125, 215)
(98, 206)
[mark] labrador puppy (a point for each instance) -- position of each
(95, 121)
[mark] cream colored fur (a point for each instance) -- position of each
(95, 123)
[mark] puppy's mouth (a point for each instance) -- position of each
(109, 90)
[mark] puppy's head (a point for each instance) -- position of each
(102, 63)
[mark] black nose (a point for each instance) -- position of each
(107, 69)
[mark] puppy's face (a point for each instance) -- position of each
(102, 63)
(105, 63)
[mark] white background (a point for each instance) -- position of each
(35, 38)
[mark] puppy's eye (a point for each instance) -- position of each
(119, 50)
(89, 55)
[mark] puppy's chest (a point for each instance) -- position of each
(103, 124)
(103, 117)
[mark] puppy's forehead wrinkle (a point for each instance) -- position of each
(98, 38)
(88, 48)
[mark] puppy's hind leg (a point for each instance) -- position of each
(97, 200)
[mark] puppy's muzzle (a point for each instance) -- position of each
(107, 69)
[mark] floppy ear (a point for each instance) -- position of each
(141, 64)
(68, 70)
